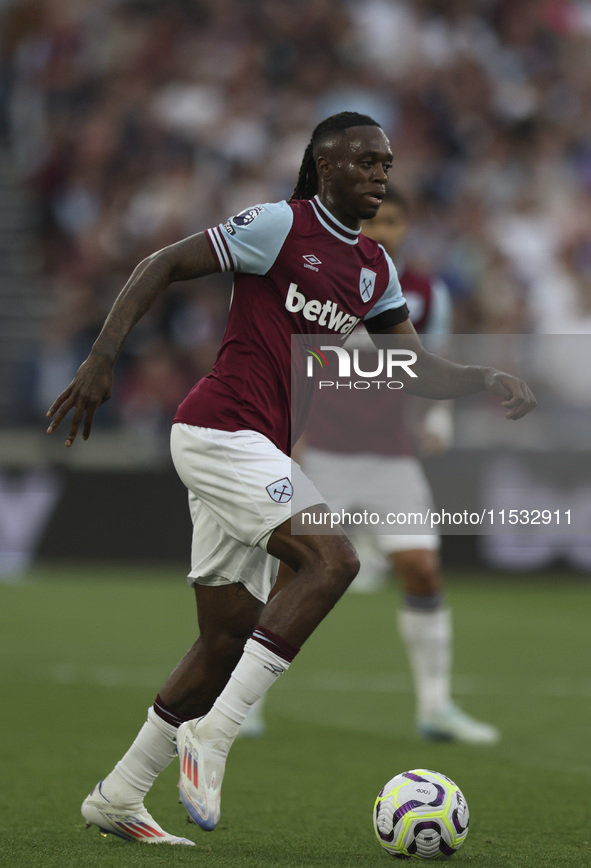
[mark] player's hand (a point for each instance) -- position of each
(517, 396)
(91, 387)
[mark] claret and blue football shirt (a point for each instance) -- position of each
(297, 271)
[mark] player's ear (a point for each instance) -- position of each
(324, 167)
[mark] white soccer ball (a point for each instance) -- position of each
(421, 814)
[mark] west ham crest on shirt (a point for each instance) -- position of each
(367, 282)
(280, 491)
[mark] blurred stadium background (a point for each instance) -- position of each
(127, 124)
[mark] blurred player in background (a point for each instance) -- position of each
(424, 620)
(378, 470)
(231, 440)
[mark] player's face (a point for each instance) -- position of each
(388, 227)
(353, 175)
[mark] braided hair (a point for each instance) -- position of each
(307, 183)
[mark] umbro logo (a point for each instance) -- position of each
(274, 669)
(312, 262)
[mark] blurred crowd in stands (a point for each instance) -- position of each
(138, 122)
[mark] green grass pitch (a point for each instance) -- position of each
(84, 652)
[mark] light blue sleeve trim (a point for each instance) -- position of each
(393, 297)
(441, 312)
(256, 235)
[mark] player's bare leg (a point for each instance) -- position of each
(226, 616)
(323, 569)
(418, 571)
(426, 629)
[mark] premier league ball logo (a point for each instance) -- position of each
(246, 217)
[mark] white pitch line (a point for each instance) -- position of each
(337, 682)
(463, 685)
(106, 676)
(323, 681)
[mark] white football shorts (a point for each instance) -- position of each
(241, 487)
(379, 484)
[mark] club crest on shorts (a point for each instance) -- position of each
(367, 282)
(280, 491)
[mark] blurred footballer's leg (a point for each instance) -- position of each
(426, 629)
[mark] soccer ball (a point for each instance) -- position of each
(421, 814)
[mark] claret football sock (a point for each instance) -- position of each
(167, 714)
(426, 629)
(266, 656)
(152, 751)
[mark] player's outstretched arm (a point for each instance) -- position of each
(93, 382)
(439, 378)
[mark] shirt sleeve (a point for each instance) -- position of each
(391, 300)
(250, 242)
(439, 321)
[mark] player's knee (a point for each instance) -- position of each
(339, 565)
(224, 644)
(418, 571)
(325, 556)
